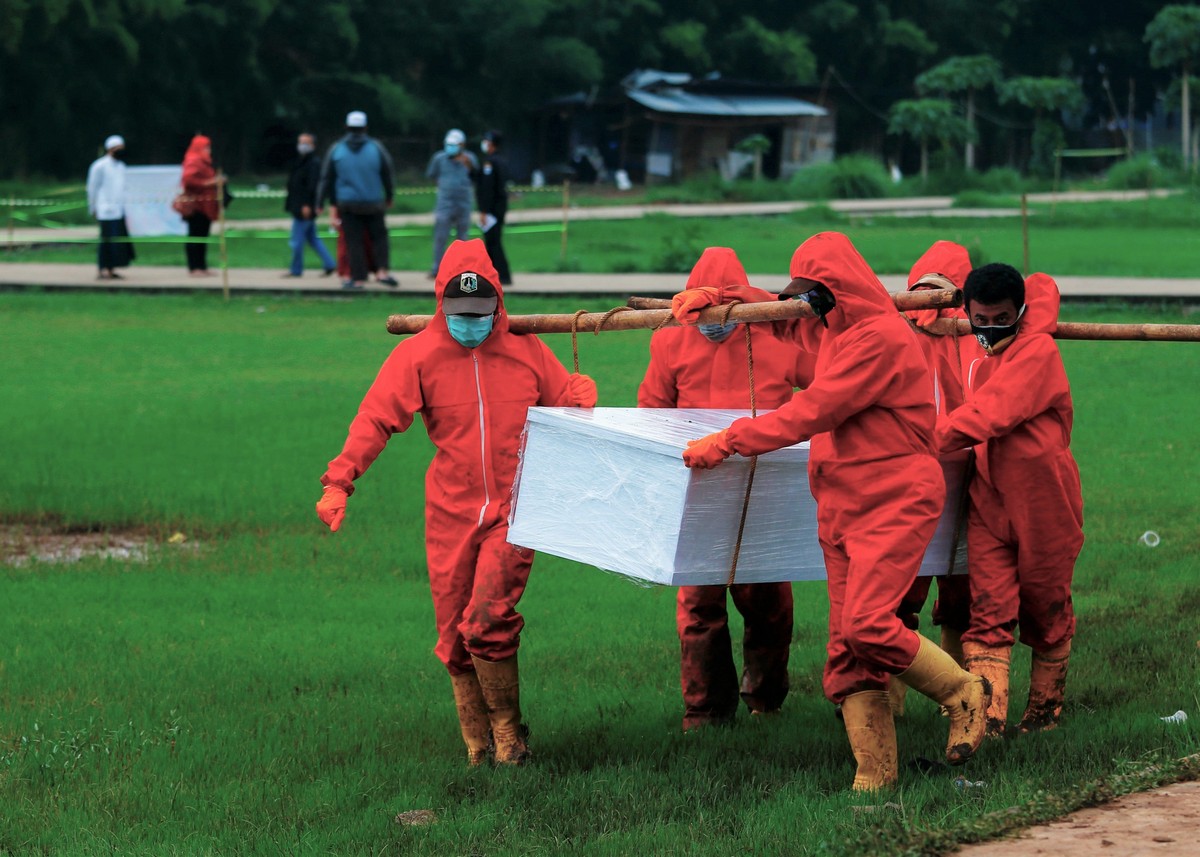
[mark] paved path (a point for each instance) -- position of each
(258, 280)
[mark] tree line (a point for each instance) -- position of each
(967, 75)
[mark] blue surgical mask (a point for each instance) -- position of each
(717, 332)
(469, 330)
(452, 149)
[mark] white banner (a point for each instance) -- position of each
(149, 192)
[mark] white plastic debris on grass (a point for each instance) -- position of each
(1150, 539)
(1179, 716)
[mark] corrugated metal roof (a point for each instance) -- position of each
(670, 100)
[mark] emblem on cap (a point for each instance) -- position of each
(468, 283)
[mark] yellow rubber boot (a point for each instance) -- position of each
(952, 644)
(872, 734)
(1047, 685)
(896, 692)
(965, 696)
(472, 717)
(992, 663)
(501, 689)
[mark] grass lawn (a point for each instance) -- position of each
(270, 688)
(1149, 238)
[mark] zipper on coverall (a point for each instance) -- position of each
(487, 499)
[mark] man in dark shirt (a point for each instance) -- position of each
(301, 193)
(491, 191)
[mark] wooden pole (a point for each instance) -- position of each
(220, 186)
(1025, 233)
(923, 299)
(625, 318)
(1089, 331)
(566, 199)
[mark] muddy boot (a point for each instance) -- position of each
(472, 717)
(965, 696)
(896, 692)
(952, 644)
(501, 690)
(991, 662)
(1047, 684)
(872, 734)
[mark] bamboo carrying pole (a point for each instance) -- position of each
(627, 318)
(925, 299)
(1089, 330)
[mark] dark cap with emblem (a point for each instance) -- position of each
(469, 293)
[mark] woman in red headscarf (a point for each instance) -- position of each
(201, 184)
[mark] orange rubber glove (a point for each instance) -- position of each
(686, 305)
(923, 317)
(709, 451)
(581, 391)
(331, 508)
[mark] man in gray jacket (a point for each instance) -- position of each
(451, 168)
(357, 178)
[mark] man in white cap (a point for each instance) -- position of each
(451, 168)
(357, 178)
(106, 202)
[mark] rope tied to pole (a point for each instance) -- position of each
(604, 318)
(737, 545)
(575, 338)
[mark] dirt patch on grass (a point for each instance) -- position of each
(23, 543)
(1162, 821)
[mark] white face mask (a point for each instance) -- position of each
(304, 148)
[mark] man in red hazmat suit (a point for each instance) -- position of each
(879, 489)
(1025, 526)
(472, 381)
(708, 367)
(944, 265)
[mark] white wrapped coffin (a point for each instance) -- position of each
(608, 487)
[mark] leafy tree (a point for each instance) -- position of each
(962, 74)
(1043, 95)
(927, 119)
(1174, 37)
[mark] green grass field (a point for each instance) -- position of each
(1150, 238)
(270, 688)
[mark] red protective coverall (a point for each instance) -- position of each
(879, 488)
(688, 371)
(1025, 528)
(473, 402)
(947, 356)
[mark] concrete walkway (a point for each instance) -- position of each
(264, 281)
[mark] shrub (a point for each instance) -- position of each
(1000, 180)
(1140, 172)
(848, 177)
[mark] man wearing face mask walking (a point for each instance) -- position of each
(708, 367)
(106, 202)
(451, 168)
(303, 182)
(870, 417)
(472, 381)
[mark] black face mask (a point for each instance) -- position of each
(119, 154)
(821, 300)
(991, 335)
